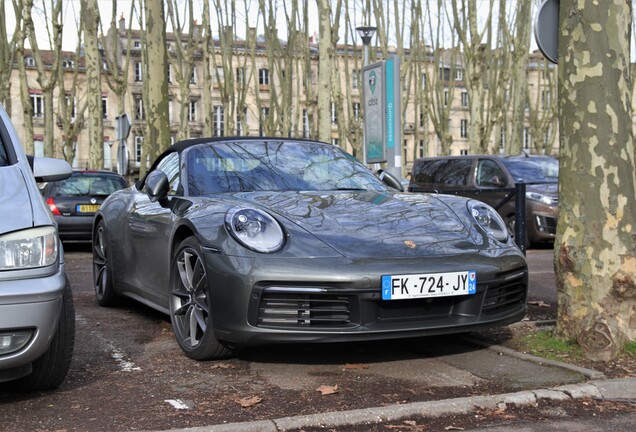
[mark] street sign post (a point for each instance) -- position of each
(374, 113)
(382, 114)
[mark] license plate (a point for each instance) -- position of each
(395, 287)
(87, 208)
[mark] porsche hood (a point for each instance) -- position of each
(367, 223)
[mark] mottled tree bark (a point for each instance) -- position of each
(595, 250)
(46, 78)
(90, 20)
(157, 138)
(327, 56)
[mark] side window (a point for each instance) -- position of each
(453, 172)
(4, 158)
(489, 174)
(170, 165)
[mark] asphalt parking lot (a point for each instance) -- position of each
(128, 372)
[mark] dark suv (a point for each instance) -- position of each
(492, 179)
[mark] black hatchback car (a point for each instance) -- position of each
(75, 200)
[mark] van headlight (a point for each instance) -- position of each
(489, 220)
(30, 248)
(255, 229)
(545, 199)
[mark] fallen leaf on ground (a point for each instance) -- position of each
(327, 390)
(539, 303)
(453, 428)
(355, 366)
(249, 401)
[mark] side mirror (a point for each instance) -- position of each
(49, 169)
(157, 186)
(390, 180)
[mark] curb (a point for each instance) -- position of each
(613, 389)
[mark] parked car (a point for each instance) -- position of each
(75, 200)
(37, 319)
(492, 179)
(259, 240)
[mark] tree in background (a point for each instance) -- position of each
(46, 79)
(485, 69)
(157, 136)
(90, 21)
(7, 53)
(595, 248)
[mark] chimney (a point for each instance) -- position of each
(122, 23)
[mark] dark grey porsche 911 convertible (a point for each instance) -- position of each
(246, 241)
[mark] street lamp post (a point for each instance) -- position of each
(366, 34)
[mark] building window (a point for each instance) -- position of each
(169, 72)
(263, 120)
(104, 107)
(192, 111)
(29, 61)
(263, 77)
(220, 75)
(241, 122)
(355, 78)
(137, 71)
(334, 113)
(218, 121)
(68, 63)
(139, 108)
(108, 162)
(463, 128)
(38, 147)
(424, 80)
(526, 138)
(70, 105)
(136, 44)
(420, 149)
(240, 76)
(335, 141)
(459, 74)
(445, 97)
(305, 124)
(193, 77)
(422, 116)
(463, 152)
(545, 100)
(37, 104)
(464, 98)
(139, 139)
(356, 111)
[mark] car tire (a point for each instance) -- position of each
(190, 305)
(102, 268)
(50, 370)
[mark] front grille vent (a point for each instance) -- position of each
(303, 310)
(506, 296)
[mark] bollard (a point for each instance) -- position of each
(520, 216)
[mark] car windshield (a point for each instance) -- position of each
(275, 166)
(89, 185)
(534, 170)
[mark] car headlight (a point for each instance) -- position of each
(255, 229)
(31, 248)
(488, 219)
(545, 199)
